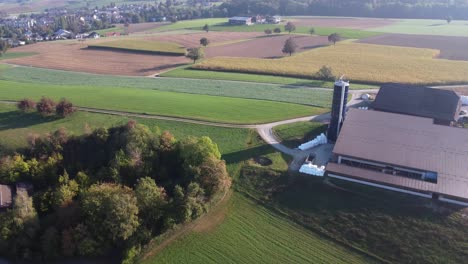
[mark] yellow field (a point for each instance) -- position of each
(359, 62)
(143, 46)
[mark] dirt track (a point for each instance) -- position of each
(344, 22)
(265, 47)
(452, 48)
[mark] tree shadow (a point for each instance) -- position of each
(17, 119)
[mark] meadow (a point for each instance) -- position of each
(14, 55)
(292, 135)
(281, 92)
(251, 233)
(151, 47)
(426, 27)
(187, 72)
(192, 106)
(359, 62)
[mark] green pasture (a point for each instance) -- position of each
(427, 27)
(147, 101)
(187, 72)
(189, 24)
(138, 45)
(292, 135)
(251, 233)
(281, 92)
(14, 55)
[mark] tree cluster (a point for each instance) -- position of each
(110, 189)
(47, 107)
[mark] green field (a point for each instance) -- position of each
(14, 55)
(189, 24)
(252, 234)
(193, 106)
(365, 63)
(427, 27)
(280, 93)
(186, 72)
(292, 135)
(146, 46)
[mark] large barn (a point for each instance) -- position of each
(406, 145)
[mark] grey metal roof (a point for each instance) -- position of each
(410, 142)
(418, 101)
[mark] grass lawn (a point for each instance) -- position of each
(292, 135)
(427, 27)
(186, 72)
(359, 62)
(153, 47)
(252, 234)
(282, 93)
(119, 29)
(194, 106)
(14, 55)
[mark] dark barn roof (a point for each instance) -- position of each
(408, 142)
(418, 101)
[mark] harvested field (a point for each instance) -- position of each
(193, 39)
(142, 46)
(452, 48)
(73, 56)
(265, 47)
(342, 22)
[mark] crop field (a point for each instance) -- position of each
(359, 62)
(200, 107)
(426, 27)
(451, 48)
(252, 234)
(342, 22)
(55, 55)
(292, 135)
(190, 40)
(188, 24)
(281, 93)
(256, 48)
(144, 46)
(187, 72)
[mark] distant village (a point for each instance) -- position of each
(62, 23)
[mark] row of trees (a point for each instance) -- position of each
(47, 106)
(109, 190)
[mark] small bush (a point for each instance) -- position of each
(64, 108)
(325, 73)
(26, 105)
(204, 42)
(268, 31)
(45, 106)
(277, 30)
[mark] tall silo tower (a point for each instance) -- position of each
(338, 114)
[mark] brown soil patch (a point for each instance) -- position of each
(345, 22)
(74, 56)
(193, 39)
(265, 47)
(452, 48)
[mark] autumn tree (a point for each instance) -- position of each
(195, 54)
(110, 212)
(204, 42)
(290, 27)
(26, 105)
(64, 108)
(45, 106)
(290, 46)
(335, 37)
(213, 176)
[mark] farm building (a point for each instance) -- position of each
(6, 195)
(240, 21)
(404, 148)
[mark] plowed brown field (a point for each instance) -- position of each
(265, 47)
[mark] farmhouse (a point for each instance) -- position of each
(5, 196)
(404, 148)
(240, 21)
